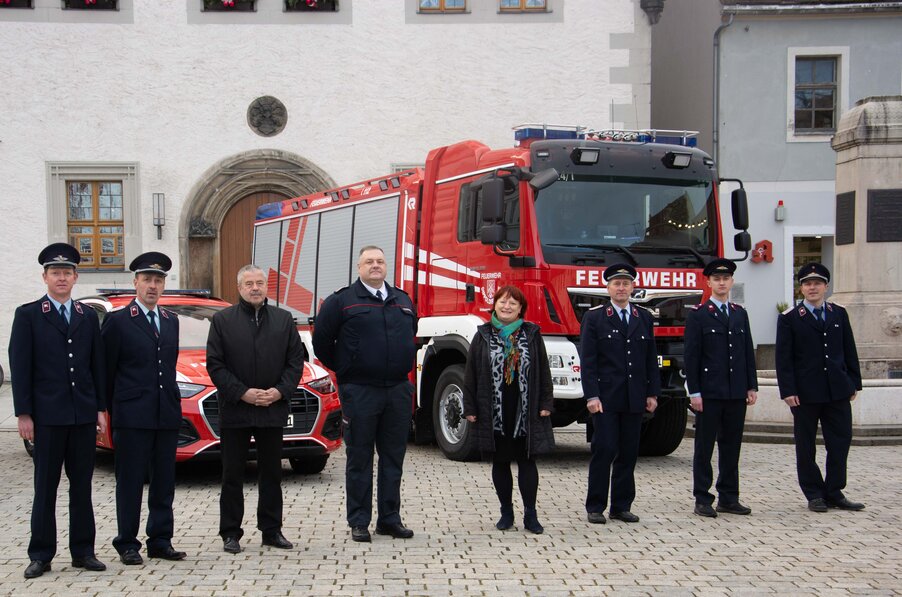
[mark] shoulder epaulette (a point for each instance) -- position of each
(835, 305)
(696, 307)
(340, 289)
(789, 310)
(737, 306)
(595, 307)
(399, 289)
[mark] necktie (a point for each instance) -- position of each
(623, 322)
(153, 322)
(723, 309)
(64, 314)
(379, 294)
(819, 315)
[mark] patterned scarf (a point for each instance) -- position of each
(511, 354)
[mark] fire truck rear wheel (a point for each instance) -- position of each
(309, 465)
(663, 433)
(454, 434)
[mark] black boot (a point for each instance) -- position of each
(507, 517)
(531, 521)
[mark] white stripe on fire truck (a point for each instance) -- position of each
(474, 173)
(442, 281)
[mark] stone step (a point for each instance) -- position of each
(781, 433)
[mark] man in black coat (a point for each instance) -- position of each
(620, 382)
(56, 364)
(256, 359)
(142, 348)
(722, 380)
(819, 376)
(365, 334)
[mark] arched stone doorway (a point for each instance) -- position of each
(237, 182)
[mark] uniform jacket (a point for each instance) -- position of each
(57, 370)
(815, 363)
(621, 370)
(254, 349)
(141, 386)
(365, 340)
(479, 391)
(720, 355)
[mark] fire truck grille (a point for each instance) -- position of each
(668, 311)
(303, 412)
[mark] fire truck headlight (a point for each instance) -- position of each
(555, 361)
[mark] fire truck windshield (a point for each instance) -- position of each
(584, 214)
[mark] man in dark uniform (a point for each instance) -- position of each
(620, 381)
(142, 347)
(365, 333)
(56, 364)
(256, 359)
(722, 381)
(819, 376)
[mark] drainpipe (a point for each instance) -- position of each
(715, 130)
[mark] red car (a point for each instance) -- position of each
(314, 423)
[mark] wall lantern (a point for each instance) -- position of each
(159, 213)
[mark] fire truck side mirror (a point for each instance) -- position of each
(493, 201)
(492, 234)
(740, 210)
(544, 179)
(742, 241)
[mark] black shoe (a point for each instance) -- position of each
(277, 539)
(397, 530)
(845, 504)
(507, 518)
(531, 522)
(131, 557)
(231, 545)
(166, 553)
(625, 516)
(360, 534)
(734, 508)
(817, 505)
(597, 517)
(37, 568)
(705, 510)
(89, 563)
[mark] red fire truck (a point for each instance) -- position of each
(547, 215)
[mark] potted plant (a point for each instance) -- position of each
(311, 5)
(92, 4)
(228, 5)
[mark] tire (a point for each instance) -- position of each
(453, 434)
(29, 447)
(309, 465)
(663, 433)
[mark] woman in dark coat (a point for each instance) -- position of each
(508, 399)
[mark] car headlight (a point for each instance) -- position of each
(187, 390)
(555, 361)
(322, 385)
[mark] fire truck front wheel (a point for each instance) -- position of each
(663, 433)
(454, 435)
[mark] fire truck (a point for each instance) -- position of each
(547, 215)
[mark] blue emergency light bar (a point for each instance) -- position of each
(534, 131)
(268, 210)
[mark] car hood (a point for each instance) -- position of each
(192, 368)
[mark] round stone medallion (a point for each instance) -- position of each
(267, 116)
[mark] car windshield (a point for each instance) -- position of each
(612, 213)
(194, 324)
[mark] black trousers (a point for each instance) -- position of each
(56, 447)
(139, 452)
(836, 424)
(375, 417)
(720, 421)
(615, 444)
(236, 443)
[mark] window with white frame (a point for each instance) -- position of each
(94, 206)
(523, 5)
(442, 5)
(817, 92)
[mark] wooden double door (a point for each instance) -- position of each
(236, 238)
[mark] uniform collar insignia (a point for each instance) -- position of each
(164, 314)
(133, 311)
(802, 311)
(78, 308)
(635, 313)
(829, 307)
(45, 307)
(710, 307)
(610, 311)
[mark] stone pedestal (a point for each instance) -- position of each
(867, 276)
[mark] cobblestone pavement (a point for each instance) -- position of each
(782, 548)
